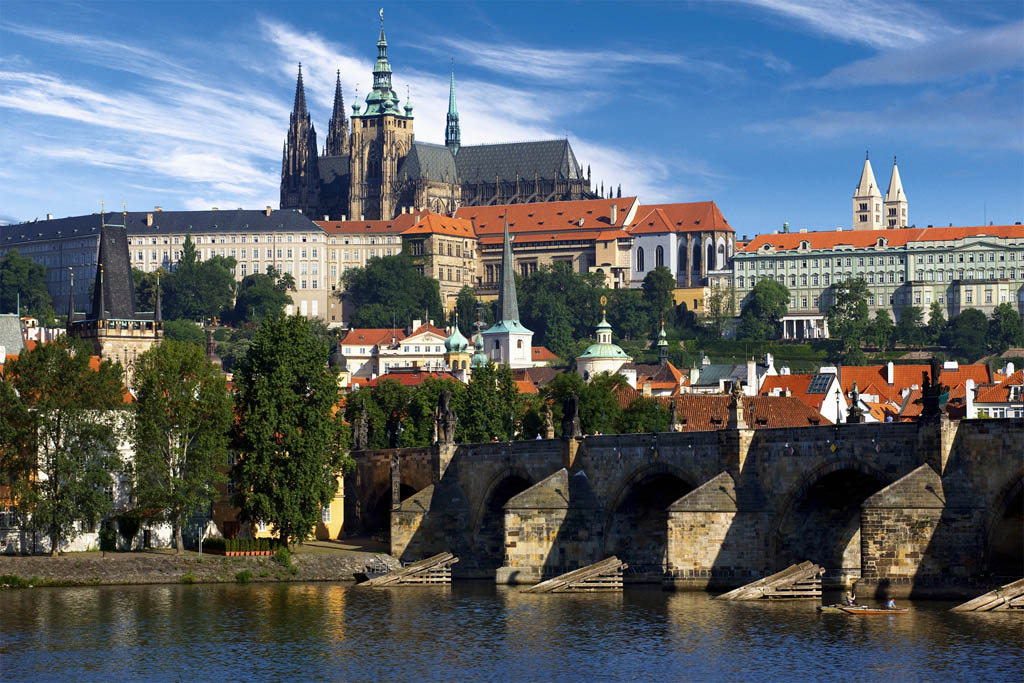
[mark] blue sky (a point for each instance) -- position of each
(765, 106)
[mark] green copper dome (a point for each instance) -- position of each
(479, 358)
(605, 351)
(456, 343)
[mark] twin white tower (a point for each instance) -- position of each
(869, 210)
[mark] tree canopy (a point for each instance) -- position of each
(762, 311)
(1005, 329)
(22, 277)
(262, 296)
(198, 289)
(848, 317)
(967, 333)
(390, 290)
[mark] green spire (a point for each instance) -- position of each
(381, 99)
(452, 136)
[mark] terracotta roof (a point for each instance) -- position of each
(880, 411)
(548, 216)
(526, 387)
(682, 217)
(1000, 393)
(431, 223)
(392, 227)
(540, 353)
(407, 377)
(372, 336)
(868, 238)
(871, 379)
(427, 327)
(539, 377)
(797, 385)
(661, 376)
(556, 236)
(708, 412)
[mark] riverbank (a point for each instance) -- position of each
(310, 563)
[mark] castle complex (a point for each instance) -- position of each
(378, 168)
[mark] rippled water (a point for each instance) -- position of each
(480, 632)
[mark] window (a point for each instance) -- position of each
(659, 257)
(325, 514)
(849, 262)
(640, 259)
(827, 279)
(970, 296)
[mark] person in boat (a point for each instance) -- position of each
(851, 599)
(891, 604)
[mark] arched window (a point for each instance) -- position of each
(721, 256)
(659, 257)
(711, 257)
(640, 259)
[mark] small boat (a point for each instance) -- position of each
(830, 609)
(861, 609)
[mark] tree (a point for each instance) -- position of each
(1005, 329)
(645, 414)
(936, 323)
(910, 329)
(76, 415)
(763, 310)
(599, 407)
(290, 446)
(183, 415)
(390, 290)
(492, 407)
(146, 286)
(23, 279)
(881, 330)
(560, 305)
(467, 305)
(185, 331)
(966, 334)
(262, 296)
(657, 288)
(848, 315)
(199, 289)
(721, 309)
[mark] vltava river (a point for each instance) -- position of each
(476, 632)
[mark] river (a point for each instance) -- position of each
(478, 632)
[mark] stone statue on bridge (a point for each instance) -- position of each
(934, 394)
(549, 422)
(855, 415)
(445, 419)
(571, 416)
(360, 438)
(674, 424)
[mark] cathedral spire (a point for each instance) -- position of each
(299, 109)
(337, 128)
(895, 191)
(452, 135)
(895, 200)
(382, 98)
(508, 301)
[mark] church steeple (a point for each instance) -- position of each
(895, 200)
(867, 200)
(300, 174)
(452, 136)
(382, 99)
(337, 128)
(300, 95)
(508, 300)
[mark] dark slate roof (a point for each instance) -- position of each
(544, 158)
(428, 161)
(332, 168)
(10, 334)
(172, 222)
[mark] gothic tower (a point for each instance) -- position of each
(300, 175)
(381, 137)
(337, 127)
(867, 200)
(451, 132)
(895, 200)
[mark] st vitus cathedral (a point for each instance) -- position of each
(378, 168)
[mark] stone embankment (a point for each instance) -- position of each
(95, 569)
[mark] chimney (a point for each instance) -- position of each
(951, 365)
(326, 217)
(752, 383)
(362, 217)
(784, 370)
(615, 214)
(580, 222)
(149, 220)
(1009, 369)
(267, 211)
(646, 388)
(889, 373)
(49, 216)
(416, 324)
(344, 218)
(214, 208)
(158, 208)
(971, 411)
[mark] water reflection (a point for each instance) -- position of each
(479, 632)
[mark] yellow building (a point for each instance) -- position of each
(695, 298)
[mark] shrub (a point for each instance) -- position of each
(128, 526)
(283, 557)
(214, 544)
(15, 581)
(108, 540)
(243, 577)
(188, 577)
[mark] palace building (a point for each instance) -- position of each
(372, 167)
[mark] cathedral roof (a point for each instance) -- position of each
(332, 168)
(505, 161)
(428, 161)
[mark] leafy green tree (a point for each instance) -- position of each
(599, 407)
(721, 309)
(290, 446)
(848, 315)
(21, 276)
(467, 305)
(645, 414)
(76, 415)
(936, 323)
(657, 288)
(262, 296)
(763, 310)
(1005, 329)
(627, 314)
(183, 415)
(910, 329)
(185, 331)
(199, 289)
(967, 333)
(492, 407)
(560, 305)
(391, 290)
(881, 330)
(145, 288)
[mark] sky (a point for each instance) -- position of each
(766, 107)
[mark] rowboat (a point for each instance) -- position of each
(872, 610)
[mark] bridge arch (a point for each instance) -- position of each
(636, 519)
(820, 520)
(488, 522)
(1004, 529)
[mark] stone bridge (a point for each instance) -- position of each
(902, 507)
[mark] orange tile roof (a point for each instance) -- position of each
(661, 377)
(534, 237)
(828, 239)
(540, 353)
(407, 377)
(871, 379)
(427, 327)
(797, 385)
(1000, 393)
(393, 227)
(707, 412)
(431, 223)
(526, 387)
(681, 217)
(372, 336)
(548, 216)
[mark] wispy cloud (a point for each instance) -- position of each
(877, 23)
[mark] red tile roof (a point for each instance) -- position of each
(526, 387)
(540, 353)
(1000, 393)
(427, 327)
(534, 237)
(661, 377)
(707, 412)
(797, 385)
(548, 216)
(407, 377)
(868, 238)
(431, 223)
(682, 217)
(871, 379)
(372, 336)
(393, 227)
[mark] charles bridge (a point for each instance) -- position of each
(908, 508)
